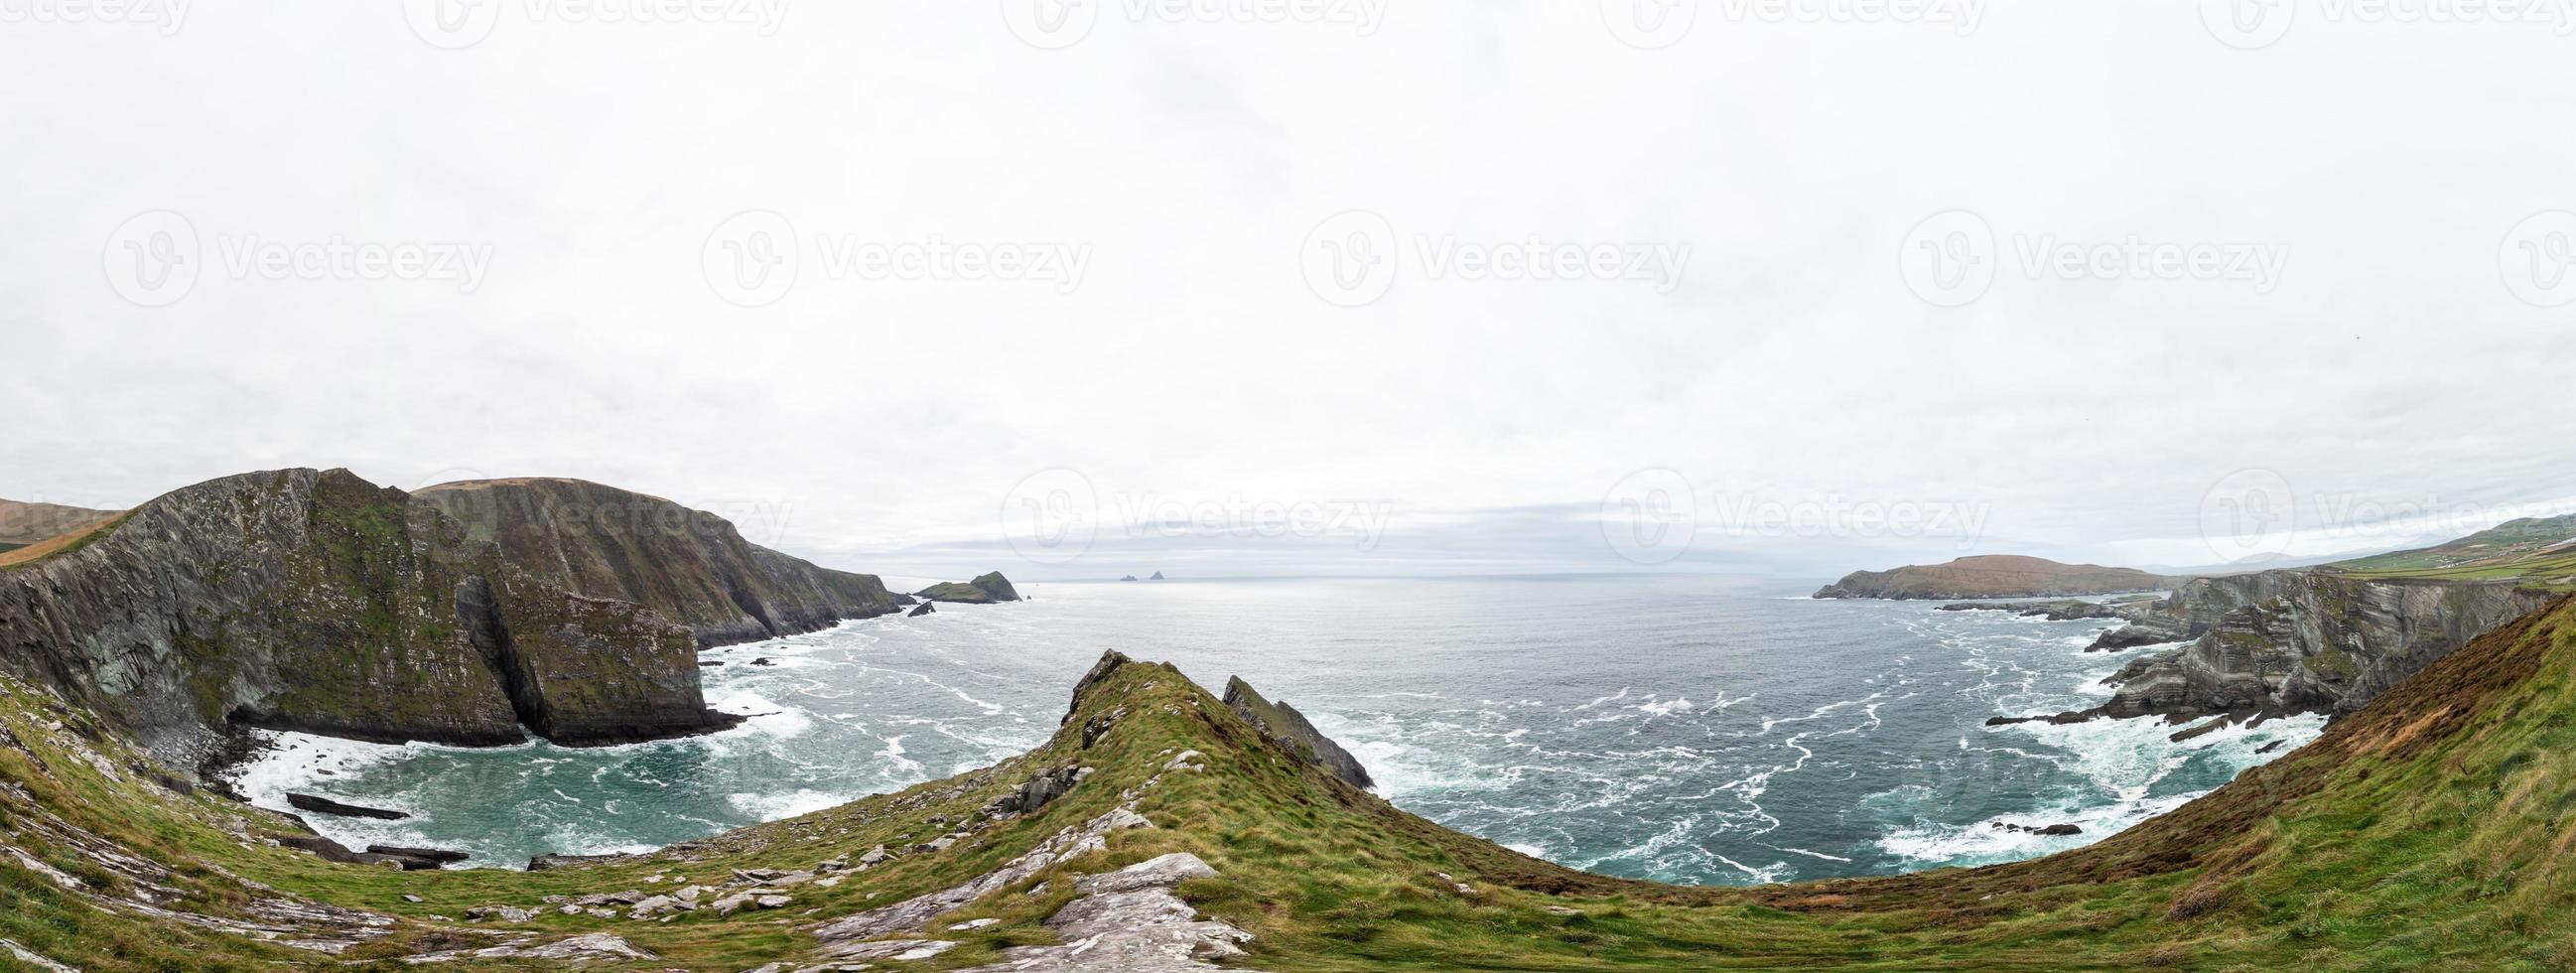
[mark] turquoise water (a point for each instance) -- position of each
(1699, 730)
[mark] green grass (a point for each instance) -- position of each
(2432, 828)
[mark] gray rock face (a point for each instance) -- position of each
(2305, 641)
(1281, 722)
(315, 601)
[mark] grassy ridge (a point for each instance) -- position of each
(2430, 828)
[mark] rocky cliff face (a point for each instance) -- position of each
(688, 565)
(1993, 576)
(1280, 721)
(311, 600)
(2302, 641)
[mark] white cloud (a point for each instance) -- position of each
(1192, 159)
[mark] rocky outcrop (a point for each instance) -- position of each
(984, 590)
(2301, 641)
(1281, 722)
(690, 566)
(1993, 576)
(2064, 610)
(315, 601)
(920, 610)
(324, 805)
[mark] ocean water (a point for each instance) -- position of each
(1694, 730)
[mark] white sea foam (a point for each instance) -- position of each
(776, 805)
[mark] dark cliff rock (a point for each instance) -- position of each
(1993, 576)
(1281, 722)
(2300, 641)
(984, 590)
(919, 610)
(315, 601)
(689, 566)
(324, 805)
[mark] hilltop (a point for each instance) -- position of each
(2540, 549)
(1994, 576)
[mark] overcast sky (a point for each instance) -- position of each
(1288, 287)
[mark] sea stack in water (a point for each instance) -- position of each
(1281, 722)
(984, 590)
(920, 610)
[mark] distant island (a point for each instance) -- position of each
(1994, 576)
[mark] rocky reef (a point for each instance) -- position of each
(1993, 576)
(690, 566)
(316, 601)
(2298, 640)
(1281, 722)
(984, 590)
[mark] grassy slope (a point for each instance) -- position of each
(2432, 827)
(60, 544)
(2534, 548)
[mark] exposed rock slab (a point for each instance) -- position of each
(1129, 920)
(1281, 722)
